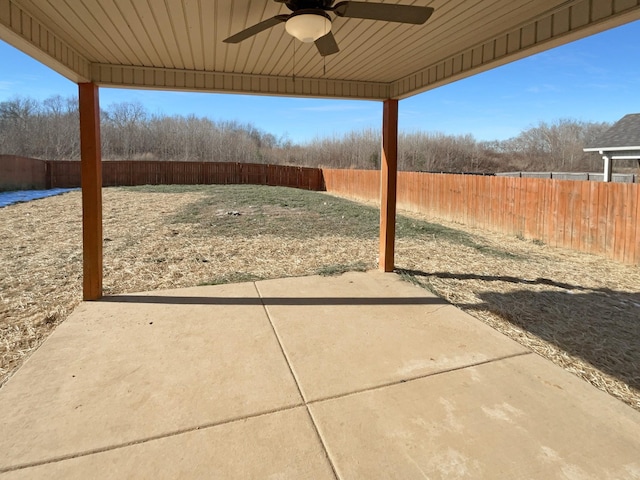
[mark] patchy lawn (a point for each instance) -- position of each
(579, 310)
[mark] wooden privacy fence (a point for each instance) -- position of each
(593, 217)
(22, 173)
(125, 173)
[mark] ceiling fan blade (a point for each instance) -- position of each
(257, 28)
(383, 11)
(327, 45)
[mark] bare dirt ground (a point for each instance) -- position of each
(581, 311)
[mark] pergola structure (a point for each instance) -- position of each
(178, 45)
(620, 142)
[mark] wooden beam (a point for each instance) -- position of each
(91, 182)
(388, 178)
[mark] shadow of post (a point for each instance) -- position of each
(601, 326)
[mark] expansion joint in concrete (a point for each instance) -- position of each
(295, 378)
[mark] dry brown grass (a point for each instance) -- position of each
(581, 311)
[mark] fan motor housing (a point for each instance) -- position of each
(295, 5)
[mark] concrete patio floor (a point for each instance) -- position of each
(359, 376)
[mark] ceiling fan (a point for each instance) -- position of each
(310, 22)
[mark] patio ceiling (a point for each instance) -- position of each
(177, 44)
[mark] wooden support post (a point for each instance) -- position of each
(388, 180)
(91, 181)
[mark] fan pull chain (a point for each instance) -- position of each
(324, 57)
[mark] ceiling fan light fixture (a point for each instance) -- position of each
(308, 26)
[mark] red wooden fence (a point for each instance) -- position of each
(20, 173)
(363, 185)
(119, 173)
(593, 217)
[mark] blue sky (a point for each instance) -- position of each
(594, 79)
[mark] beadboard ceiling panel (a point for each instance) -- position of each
(178, 44)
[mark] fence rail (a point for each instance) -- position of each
(579, 176)
(593, 217)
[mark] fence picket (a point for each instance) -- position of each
(601, 218)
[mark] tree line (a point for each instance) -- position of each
(49, 129)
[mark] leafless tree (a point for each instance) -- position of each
(49, 129)
(557, 145)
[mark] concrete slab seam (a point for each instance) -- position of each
(418, 377)
(334, 464)
(295, 379)
(174, 433)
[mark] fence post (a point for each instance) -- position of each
(47, 174)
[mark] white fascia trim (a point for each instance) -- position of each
(609, 149)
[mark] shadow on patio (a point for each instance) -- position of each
(269, 301)
(600, 326)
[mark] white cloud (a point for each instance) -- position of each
(4, 85)
(405, 113)
(605, 86)
(544, 88)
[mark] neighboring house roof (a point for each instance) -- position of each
(624, 135)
